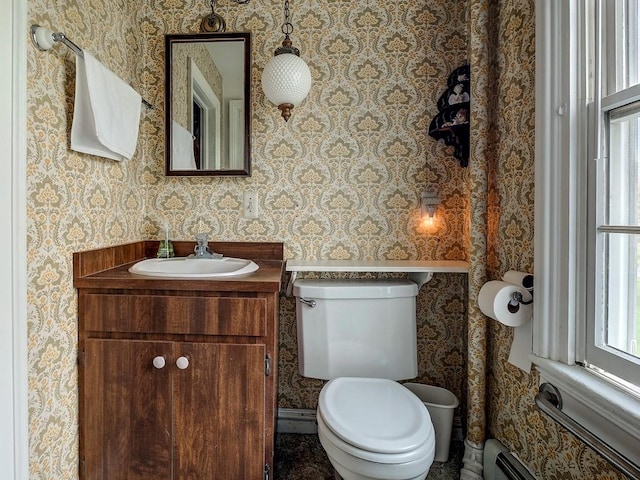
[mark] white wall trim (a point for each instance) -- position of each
(13, 318)
(558, 161)
(609, 412)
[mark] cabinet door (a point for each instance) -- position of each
(219, 408)
(126, 412)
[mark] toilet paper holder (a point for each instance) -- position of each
(516, 300)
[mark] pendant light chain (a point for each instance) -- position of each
(239, 2)
(287, 26)
(287, 29)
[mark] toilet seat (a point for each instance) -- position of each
(377, 416)
(337, 447)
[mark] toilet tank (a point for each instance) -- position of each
(356, 328)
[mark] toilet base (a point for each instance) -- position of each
(349, 475)
(371, 470)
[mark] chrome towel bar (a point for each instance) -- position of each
(44, 40)
(549, 401)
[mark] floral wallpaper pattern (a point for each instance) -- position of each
(75, 202)
(342, 179)
(479, 20)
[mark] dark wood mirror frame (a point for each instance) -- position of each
(171, 42)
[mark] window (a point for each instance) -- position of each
(587, 213)
(613, 320)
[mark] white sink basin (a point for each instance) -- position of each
(185, 267)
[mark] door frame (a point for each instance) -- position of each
(14, 442)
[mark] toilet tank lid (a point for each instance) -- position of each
(354, 288)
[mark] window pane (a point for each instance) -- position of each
(627, 40)
(612, 329)
(624, 180)
(621, 329)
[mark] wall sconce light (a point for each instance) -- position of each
(428, 201)
(214, 23)
(286, 79)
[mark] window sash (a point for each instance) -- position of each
(565, 79)
(621, 40)
(611, 292)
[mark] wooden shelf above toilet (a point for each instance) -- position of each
(420, 271)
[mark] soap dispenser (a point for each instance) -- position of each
(165, 250)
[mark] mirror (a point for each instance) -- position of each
(207, 104)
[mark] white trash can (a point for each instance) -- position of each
(441, 403)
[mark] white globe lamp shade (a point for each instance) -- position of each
(286, 82)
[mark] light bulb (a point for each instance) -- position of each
(428, 202)
(286, 81)
(429, 219)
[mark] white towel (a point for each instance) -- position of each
(106, 115)
(182, 156)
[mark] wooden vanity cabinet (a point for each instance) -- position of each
(158, 404)
(177, 384)
(203, 421)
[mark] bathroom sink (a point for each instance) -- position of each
(187, 267)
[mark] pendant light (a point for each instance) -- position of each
(286, 79)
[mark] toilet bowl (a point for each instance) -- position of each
(375, 429)
(361, 336)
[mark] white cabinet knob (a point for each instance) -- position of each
(159, 362)
(182, 363)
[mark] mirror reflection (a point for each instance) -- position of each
(207, 119)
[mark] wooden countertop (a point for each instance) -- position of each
(108, 268)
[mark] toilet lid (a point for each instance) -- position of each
(375, 414)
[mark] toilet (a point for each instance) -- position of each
(361, 336)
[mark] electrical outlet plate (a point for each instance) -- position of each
(250, 205)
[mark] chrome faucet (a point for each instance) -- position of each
(202, 249)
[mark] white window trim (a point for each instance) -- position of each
(561, 115)
(14, 435)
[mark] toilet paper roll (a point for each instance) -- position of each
(495, 301)
(521, 347)
(522, 279)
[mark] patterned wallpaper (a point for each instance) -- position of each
(75, 202)
(342, 179)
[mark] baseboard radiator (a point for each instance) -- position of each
(549, 401)
(500, 464)
(294, 420)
